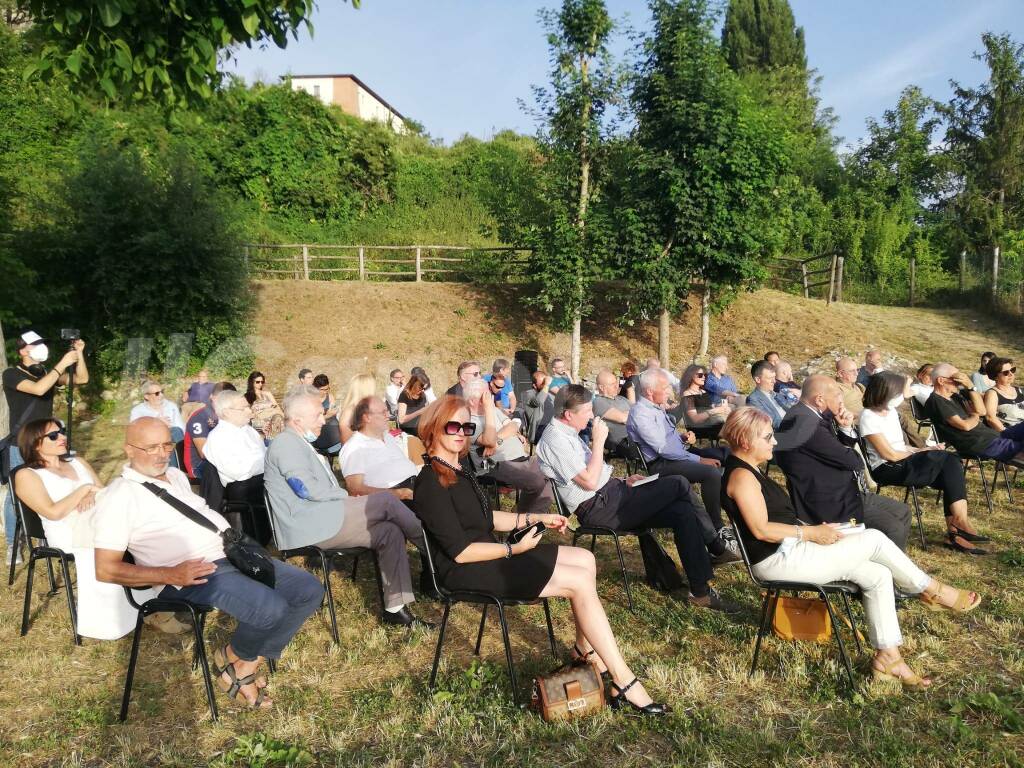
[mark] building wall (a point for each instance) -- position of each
(371, 109)
(346, 95)
(326, 87)
(354, 100)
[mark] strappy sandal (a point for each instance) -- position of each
(911, 682)
(220, 666)
(581, 659)
(955, 545)
(965, 601)
(967, 536)
(237, 683)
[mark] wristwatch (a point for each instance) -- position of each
(500, 440)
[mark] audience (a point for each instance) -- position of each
(170, 549)
(781, 546)
(468, 556)
(611, 406)
(267, 418)
(872, 364)
(787, 389)
(853, 392)
(816, 453)
(922, 384)
(309, 507)
(586, 487)
(504, 393)
(466, 372)
(198, 428)
(499, 451)
(698, 413)
(980, 379)
(374, 460)
(359, 386)
(330, 436)
(411, 402)
(560, 376)
(201, 389)
(764, 397)
(396, 383)
(539, 406)
(893, 462)
(654, 364)
(627, 381)
(719, 384)
(1003, 401)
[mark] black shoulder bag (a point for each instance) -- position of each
(241, 550)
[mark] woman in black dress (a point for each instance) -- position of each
(455, 513)
(411, 401)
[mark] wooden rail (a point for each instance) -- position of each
(794, 272)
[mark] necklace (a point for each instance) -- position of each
(484, 506)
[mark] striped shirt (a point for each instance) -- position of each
(562, 456)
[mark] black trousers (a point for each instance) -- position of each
(709, 478)
(889, 516)
(663, 503)
(935, 469)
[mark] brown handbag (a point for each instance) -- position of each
(801, 618)
(568, 693)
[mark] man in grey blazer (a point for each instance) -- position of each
(764, 397)
(311, 508)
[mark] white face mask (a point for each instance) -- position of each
(39, 353)
(896, 402)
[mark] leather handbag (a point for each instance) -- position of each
(568, 693)
(801, 618)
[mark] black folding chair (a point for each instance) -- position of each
(31, 526)
(635, 461)
(943, 433)
(593, 531)
(486, 599)
(921, 418)
(911, 490)
(197, 615)
(772, 590)
(20, 544)
(324, 559)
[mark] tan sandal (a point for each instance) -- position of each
(965, 601)
(911, 682)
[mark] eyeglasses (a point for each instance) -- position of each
(467, 428)
(1008, 370)
(155, 450)
(55, 434)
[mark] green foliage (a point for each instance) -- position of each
(261, 751)
(153, 50)
(761, 35)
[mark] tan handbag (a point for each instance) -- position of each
(801, 618)
(569, 692)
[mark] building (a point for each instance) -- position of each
(351, 94)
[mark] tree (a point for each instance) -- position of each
(760, 35)
(162, 50)
(709, 166)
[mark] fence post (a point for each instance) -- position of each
(419, 265)
(832, 281)
(362, 264)
(803, 277)
(305, 262)
(839, 279)
(963, 270)
(995, 276)
(913, 278)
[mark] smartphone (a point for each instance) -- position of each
(514, 537)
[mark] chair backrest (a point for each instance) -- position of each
(428, 552)
(270, 517)
(634, 457)
(917, 411)
(559, 504)
(31, 523)
(863, 443)
(742, 548)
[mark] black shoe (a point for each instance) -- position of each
(619, 700)
(971, 537)
(404, 618)
(955, 545)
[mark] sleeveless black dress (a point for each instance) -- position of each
(457, 517)
(780, 510)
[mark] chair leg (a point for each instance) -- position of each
(132, 660)
(984, 485)
(593, 542)
(66, 573)
(917, 513)
(1006, 482)
(355, 567)
(28, 595)
(508, 654)
(14, 548)
(839, 641)
(380, 579)
(325, 564)
(440, 642)
(625, 578)
(198, 625)
(761, 630)
(853, 627)
(54, 589)
(480, 632)
(551, 631)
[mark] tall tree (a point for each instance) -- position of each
(760, 35)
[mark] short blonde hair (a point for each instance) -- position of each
(742, 426)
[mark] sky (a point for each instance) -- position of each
(462, 66)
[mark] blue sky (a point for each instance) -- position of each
(459, 66)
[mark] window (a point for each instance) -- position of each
(316, 91)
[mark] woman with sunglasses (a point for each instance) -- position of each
(63, 494)
(461, 525)
(1004, 402)
(780, 548)
(698, 414)
(267, 417)
(893, 462)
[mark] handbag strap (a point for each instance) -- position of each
(182, 507)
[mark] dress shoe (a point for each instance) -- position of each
(404, 618)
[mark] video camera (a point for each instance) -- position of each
(70, 335)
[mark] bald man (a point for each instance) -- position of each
(139, 513)
(816, 452)
(612, 407)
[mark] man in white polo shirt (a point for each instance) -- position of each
(373, 460)
(172, 550)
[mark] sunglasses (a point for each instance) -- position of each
(257, 381)
(699, 375)
(158, 392)
(1008, 370)
(467, 428)
(55, 434)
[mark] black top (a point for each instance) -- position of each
(25, 407)
(1018, 396)
(973, 441)
(775, 499)
(412, 404)
(459, 516)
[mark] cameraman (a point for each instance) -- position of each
(29, 388)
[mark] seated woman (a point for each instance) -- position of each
(63, 494)
(893, 462)
(359, 386)
(695, 408)
(455, 513)
(780, 548)
(412, 400)
(267, 416)
(627, 381)
(980, 379)
(1004, 402)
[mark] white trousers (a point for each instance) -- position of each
(870, 560)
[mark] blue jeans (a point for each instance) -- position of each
(267, 618)
(16, 461)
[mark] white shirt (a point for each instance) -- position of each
(382, 463)
(391, 393)
(168, 410)
(429, 392)
(236, 452)
(921, 391)
(562, 456)
(130, 517)
(885, 424)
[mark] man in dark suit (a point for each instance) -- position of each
(815, 451)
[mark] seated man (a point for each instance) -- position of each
(764, 397)
(156, 405)
(498, 438)
(373, 460)
(201, 390)
(170, 549)
(197, 430)
(719, 384)
(787, 389)
(585, 485)
(539, 406)
(504, 393)
(872, 365)
(560, 376)
(613, 408)
(237, 451)
(394, 388)
(853, 391)
(968, 432)
(822, 468)
(466, 372)
(662, 446)
(309, 507)
(654, 363)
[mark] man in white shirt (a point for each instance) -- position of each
(373, 460)
(233, 447)
(170, 549)
(393, 390)
(156, 405)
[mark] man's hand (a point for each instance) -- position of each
(844, 418)
(489, 451)
(78, 345)
(554, 522)
(405, 494)
(963, 380)
(190, 573)
(711, 462)
(523, 440)
(69, 359)
(689, 437)
(599, 430)
(634, 478)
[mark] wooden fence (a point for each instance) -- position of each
(809, 274)
(413, 263)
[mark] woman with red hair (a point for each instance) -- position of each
(456, 515)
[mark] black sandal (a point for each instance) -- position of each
(619, 700)
(954, 545)
(971, 537)
(581, 660)
(237, 683)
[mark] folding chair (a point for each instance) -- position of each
(943, 434)
(485, 599)
(911, 490)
